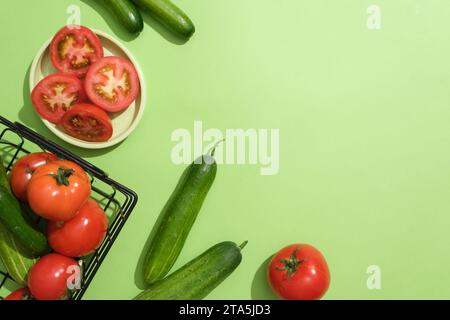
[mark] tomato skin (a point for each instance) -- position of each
(52, 199)
(74, 49)
(23, 170)
(311, 279)
(112, 72)
(55, 94)
(48, 278)
(19, 294)
(81, 235)
(87, 122)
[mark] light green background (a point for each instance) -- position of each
(364, 118)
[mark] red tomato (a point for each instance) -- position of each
(56, 94)
(112, 84)
(19, 294)
(24, 168)
(81, 235)
(74, 49)
(299, 272)
(48, 279)
(58, 190)
(88, 122)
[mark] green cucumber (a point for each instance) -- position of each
(169, 15)
(126, 13)
(12, 218)
(15, 259)
(32, 240)
(198, 278)
(3, 177)
(177, 218)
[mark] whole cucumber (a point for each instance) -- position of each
(169, 15)
(13, 219)
(15, 259)
(126, 13)
(198, 278)
(177, 218)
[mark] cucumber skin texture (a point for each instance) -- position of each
(16, 261)
(198, 278)
(12, 218)
(126, 13)
(169, 15)
(177, 218)
(4, 182)
(32, 241)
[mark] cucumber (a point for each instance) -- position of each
(126, 13)
(32, 240)
(15, 259)
(3, 177)
(11, 217)
(177, 218)
(169, 15)
(198, 278)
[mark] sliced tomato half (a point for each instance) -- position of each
(112, 84)
(56, 94)
(74, 49)
(88, 122)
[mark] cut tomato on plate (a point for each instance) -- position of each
(112, 84)
(74, 49)
(88, 122)
(56, 94)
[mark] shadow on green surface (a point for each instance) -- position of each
(139, 274)
(110, 20)
(260, 287)
(27, 116)
(126, 36)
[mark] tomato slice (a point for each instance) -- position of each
(112, 84)
(88, 122)
(56, 94)
(74, 49)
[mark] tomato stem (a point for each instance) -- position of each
(212, 152)
(62, 176)
(291, 265)
(242, 246)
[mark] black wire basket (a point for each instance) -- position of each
(117, 201)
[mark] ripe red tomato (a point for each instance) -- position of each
(24, 168)
(299, 272)
(58, 190)
(19, 294)
(88, 122)
(81, 235)
(56, 94)
(74, 49)
(112, 84)
(48, 278)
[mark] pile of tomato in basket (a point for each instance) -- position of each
(88, 87)
(59, 192)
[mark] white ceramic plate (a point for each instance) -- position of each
(124, 122)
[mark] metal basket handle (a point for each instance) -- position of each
(53, 147)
